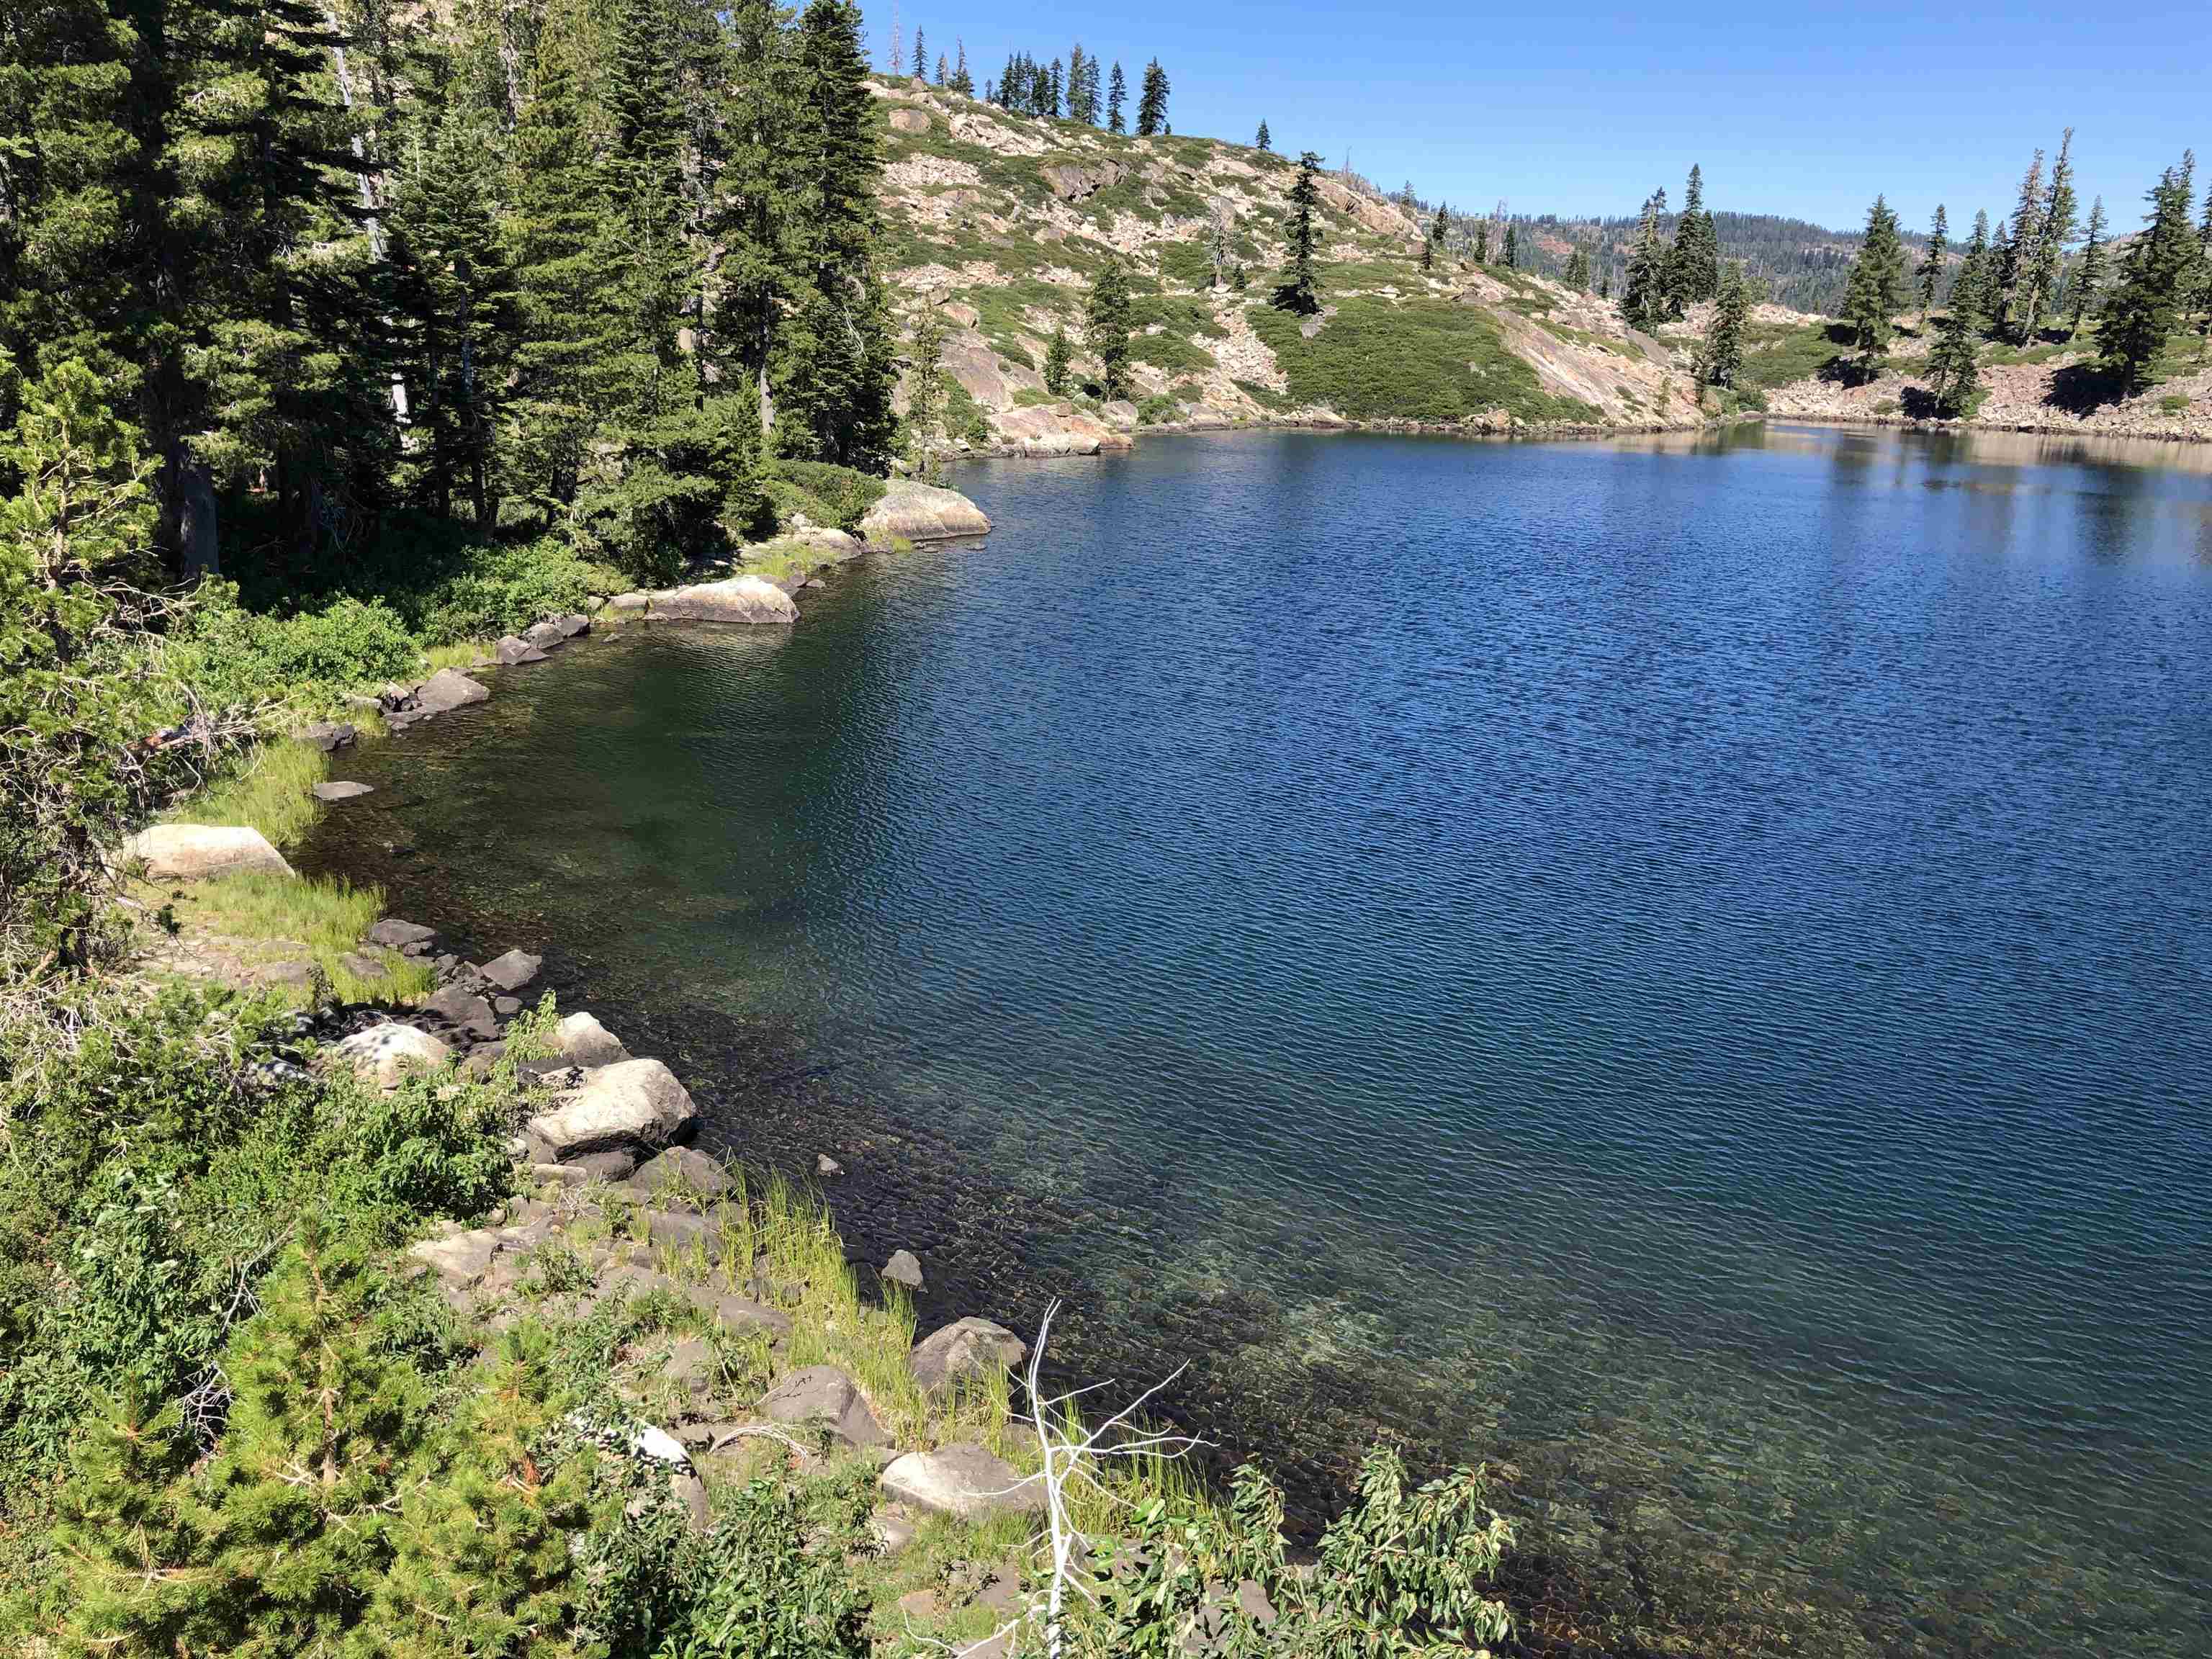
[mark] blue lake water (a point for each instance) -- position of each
(1678, 967)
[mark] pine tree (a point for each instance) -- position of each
(1077, 71)
(962, 81)
(2089, 275)
(925, 402)
(1152, 102)
(1106, 328)
(1299, 293)
(1720, 355)
(1953, 371)
(1512, 257)
(921, 56)
(1931, 264)
(1058, 358)
(2055, 227)
(1053, 102)
(460, 299)
(1578, 269)
(1482, 243)
(2145, 306)
(1694, 262)
(1117, 93)
(1261, 141)
(2017, 252)
(1643, 300)
(1877, 289)
(1433, 244)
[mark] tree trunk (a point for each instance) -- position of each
(198, 543)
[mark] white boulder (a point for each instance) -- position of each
(193, 852)
(633, 1102)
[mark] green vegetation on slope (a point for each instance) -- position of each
(1410, 359)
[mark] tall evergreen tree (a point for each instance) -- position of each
(921, 55)
(1058, 358)
(1117, 93)
(1693, 264)
(2017, 252)
(1053, 100)
(1512, 258)
(1482, 243)
(961, 82)
(2145, 306)
(1152, 102)
(1954, 370)
(2089, 274)
(1578, 269)
(2054, 226)
(1643, 297)
(1720, 355)
(1077, 84)
(1300, 294)
(1968, 289)
(1877, 289)
(1433, 243)
(1261, 141)
(1106, 327)
(1931, 264)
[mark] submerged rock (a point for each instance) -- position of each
(338, 789)
(193, 852)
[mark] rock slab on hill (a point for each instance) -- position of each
(964, 1482)
(193, 852)
(921, 513)
(968, 1350)
(637, 1103)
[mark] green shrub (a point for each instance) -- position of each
(2174, 403)
(504, 589)
(825, 492)
(235, 659)
(1159, 408)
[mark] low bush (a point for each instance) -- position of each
(825, 492)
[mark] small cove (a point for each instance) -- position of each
(1670, 964)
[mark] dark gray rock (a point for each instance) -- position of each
(512, 971)
(447, 690)
(903, 1268)
(397, 935)
(965, 1350)
(682, 1169)
(507, 1007)
(463, 1008)
(362, 965)
(510, 651)
(612, 1165)
(545, 635)
(571, 625)
(329, 736)
(823, 1397)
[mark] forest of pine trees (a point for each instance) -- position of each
(571, 265)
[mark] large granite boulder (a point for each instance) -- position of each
(584, 1042)
(921, 513)
(964, 1482)
(636, 1103)
(965, 1350)
(384, 1054)
(447, 689)
(1058, 429)
(193, 852)
(823, 1397)
(740, 599)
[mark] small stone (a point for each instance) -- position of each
(892, 1529)
(584, 1042)
(362, 965)
(507, 1007)
(826, 1166)
(340, 789)
(545, 635)
(290, 973)
(463, 1008)
(397, 935)
(903, 1268)
(610, 1165)
(448, 689)
(822, 1396)
(680, 1168)
(510, 651)
(513, 970)
(572, 624)
(328, 736)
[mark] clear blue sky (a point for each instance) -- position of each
(1579, 108)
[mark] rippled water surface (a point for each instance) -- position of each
(1679, 968)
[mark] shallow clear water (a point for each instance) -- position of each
(1679, 967)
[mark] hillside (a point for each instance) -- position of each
(1003, 221)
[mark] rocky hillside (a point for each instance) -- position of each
(1002, 221)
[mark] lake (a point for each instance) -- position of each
(1678, 967)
